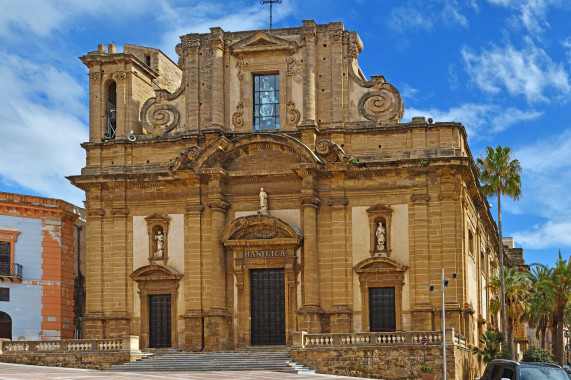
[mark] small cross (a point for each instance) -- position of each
(271, 2)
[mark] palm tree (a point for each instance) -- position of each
(516, 285)
(491, 341)
(560, 286)
(541, 303)
(499, 175)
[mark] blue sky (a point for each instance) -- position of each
(500, 67)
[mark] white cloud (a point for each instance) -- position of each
(528, 71)
(567, 45)
(41, 128)
(531, 14)
(451, 14)
(546, 179)
(478, 119)
(408, 18)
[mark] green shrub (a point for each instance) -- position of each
(536, 354)
(426, 369)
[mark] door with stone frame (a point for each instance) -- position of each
(382, 313)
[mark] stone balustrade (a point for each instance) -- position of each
(127, 343)
(396, 338)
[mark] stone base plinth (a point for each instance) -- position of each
(193, 331)
(310, 319)
(217, 330)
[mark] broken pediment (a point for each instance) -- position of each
(263, 42)
(260, 227)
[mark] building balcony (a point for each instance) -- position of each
(11, 271)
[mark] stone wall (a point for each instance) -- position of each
(386, 362)
(91, 360)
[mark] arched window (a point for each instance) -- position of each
(5, 326)
(111, 110)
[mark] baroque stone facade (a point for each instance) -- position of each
(361, 211)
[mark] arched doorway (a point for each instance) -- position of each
(5, 326)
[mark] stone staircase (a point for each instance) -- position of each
(273, 358)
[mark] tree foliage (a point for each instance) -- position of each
(536, 354)
(492, 347)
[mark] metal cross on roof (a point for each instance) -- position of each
(271, 2)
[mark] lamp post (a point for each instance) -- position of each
(443, 284)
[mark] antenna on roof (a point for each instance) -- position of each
(271, 2)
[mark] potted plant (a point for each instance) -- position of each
(427, 372)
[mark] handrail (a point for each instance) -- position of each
(11, 270)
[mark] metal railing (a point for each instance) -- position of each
(11, 270)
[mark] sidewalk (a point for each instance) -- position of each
(10, 371)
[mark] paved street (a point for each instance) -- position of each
(17, 371)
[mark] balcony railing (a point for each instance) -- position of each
(11, 270)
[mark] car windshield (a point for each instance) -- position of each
(543, 373)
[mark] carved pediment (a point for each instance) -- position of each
(260, 227)
(379, 209)
(379, 264)
(155, 273)
(263, 42)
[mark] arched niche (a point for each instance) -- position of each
(5, 326)
(380, 272)
(380, 215)
(262, 242)
(156, 280)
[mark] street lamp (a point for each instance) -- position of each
(444, 284)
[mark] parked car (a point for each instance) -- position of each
(500, 369)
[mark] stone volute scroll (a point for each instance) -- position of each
(380, 227)
(157, 229)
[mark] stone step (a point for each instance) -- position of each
(240, 360)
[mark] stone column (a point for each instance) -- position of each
(311, 312)
(340, 320)
(189, 51)
(217, 106)
(216, 315)
(309, 31)
(192, 279)
(93, 322)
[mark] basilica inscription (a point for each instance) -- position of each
(257, 254)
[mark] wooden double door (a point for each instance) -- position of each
(160, 320)
(382, 313)
(267, 307)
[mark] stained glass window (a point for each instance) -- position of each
(266, 102)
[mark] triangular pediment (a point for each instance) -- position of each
(263, 42)
(155, 273)
(379, 264)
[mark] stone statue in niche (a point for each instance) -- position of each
(160, 239)
(263, 202)
(381, 237)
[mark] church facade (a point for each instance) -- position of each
(263, 186)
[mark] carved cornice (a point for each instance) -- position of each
(96, 77)
(309, 31)
(218, 204)
(189, 43)
(194, 208)
(120, 76)
(120, 211)
(337, 202)
(416, 198)
(310, 200)
(96, 212)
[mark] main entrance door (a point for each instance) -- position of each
(382, 309)
(160, 320)
(267, 297)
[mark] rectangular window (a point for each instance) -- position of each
(4, 258)
(266, 102)
(4, 294)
